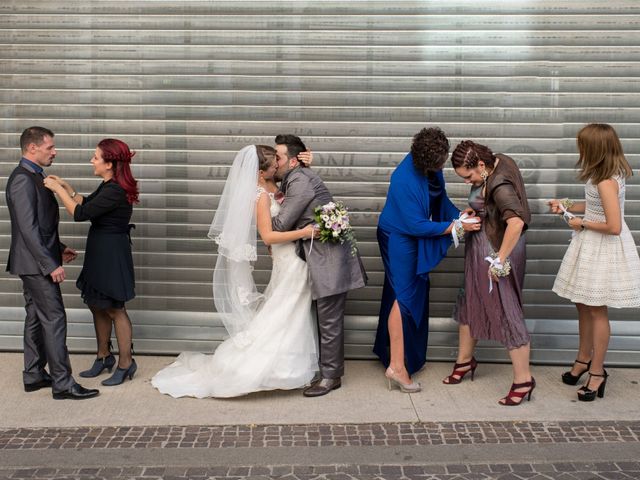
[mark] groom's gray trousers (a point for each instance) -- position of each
(45, 333)
(330, 314)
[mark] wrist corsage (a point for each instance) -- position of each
(501, 269)
(497, 268)
(458, 229)
(566, 203)
(457, 232)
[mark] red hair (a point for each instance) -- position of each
(118, 154)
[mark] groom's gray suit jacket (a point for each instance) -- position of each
(332, 268)
(35, 252)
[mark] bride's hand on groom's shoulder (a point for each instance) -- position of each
(306, 158)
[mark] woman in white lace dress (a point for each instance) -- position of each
(601, 268)
(273, 339)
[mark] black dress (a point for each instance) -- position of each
(107, 278)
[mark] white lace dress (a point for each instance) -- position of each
(278, 351)
(601, 269)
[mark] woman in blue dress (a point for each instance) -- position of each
(414, 233)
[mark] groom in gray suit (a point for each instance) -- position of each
(333, 270)
(36, 255)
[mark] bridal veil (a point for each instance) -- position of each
(234, 230)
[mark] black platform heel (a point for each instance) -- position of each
(120, 375)
(570, 379)
(585, 394)
(100, 364)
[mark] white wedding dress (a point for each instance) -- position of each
(278, 350)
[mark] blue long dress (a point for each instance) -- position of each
(412, 243)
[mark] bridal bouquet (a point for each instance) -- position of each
(333, 224)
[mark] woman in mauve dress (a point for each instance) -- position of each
(490, 306)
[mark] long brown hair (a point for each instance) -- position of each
(601, 155)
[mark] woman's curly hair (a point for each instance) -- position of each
(467, 154)
(429, 150)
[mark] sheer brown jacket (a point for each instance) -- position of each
(505, 197)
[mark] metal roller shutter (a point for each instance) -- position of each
(188, 83)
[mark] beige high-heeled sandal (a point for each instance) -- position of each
(392, 378)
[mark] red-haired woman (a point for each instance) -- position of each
(107, 279)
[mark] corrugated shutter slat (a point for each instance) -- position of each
(189, 83)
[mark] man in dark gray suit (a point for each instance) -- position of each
(333, 270)
(36, 255)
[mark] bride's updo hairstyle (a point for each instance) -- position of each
(467, 154)
(266, 156)
(429, 150)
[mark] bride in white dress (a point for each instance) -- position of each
(273, 339)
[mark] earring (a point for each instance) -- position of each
(484, 175)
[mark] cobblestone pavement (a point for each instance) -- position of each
(390, 434)
(27, 453)
(499, 471)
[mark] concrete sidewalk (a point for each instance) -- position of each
(363, 398)
(359, 432)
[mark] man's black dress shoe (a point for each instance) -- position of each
(76, 392)
(32, 387)
(322, 387)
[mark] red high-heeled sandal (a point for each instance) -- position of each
(457, 375)
(508, 400)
